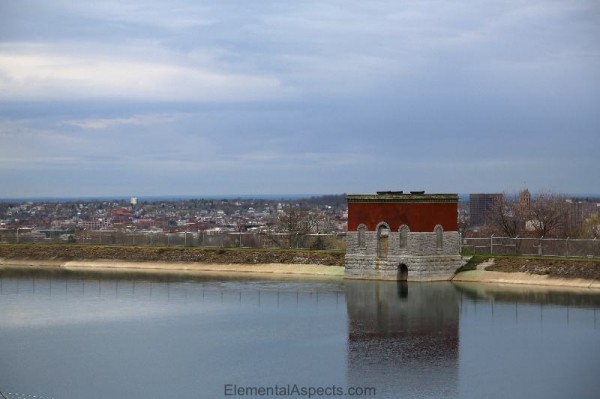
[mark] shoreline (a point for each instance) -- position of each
(283, 270)
(519, 278)
(482, 275)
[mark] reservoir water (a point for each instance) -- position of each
(74, 335)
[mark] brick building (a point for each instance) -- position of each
(396, 236)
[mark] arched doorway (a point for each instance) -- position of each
(402, 272)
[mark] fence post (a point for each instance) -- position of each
(540, 250)
(567, 245)
(516, 240)
(491, 244)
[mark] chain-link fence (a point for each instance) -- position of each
(531, 246)
(190, 239)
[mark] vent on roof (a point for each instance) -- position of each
(389, 192)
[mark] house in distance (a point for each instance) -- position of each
(397, 236)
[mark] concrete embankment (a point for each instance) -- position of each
(503, 270)
(299, 270)
(482, 275)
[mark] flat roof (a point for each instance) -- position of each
(399, 196)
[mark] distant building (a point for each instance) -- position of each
(92, 224)
(578, 211)
(525, 199)
(396, 236)
(120, 215)
(480, 206)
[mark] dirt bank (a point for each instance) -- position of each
(173, 259)
(70, 252)
(555, 268)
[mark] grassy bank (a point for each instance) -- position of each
(69, 252)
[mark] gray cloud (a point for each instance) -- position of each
(276, 97)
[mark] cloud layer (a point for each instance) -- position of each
(227, 97)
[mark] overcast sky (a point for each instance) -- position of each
(111, 98)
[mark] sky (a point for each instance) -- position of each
(112, 98)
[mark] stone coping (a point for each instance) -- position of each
(400, 198)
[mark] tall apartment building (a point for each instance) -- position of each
(480, 206)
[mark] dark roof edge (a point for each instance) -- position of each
(402, 198)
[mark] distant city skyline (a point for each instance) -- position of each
(463, 197)
(226, 98)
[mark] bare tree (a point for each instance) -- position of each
(508, 217)
(544, 216)
(549, 215)
(590, 227)
(296, 222)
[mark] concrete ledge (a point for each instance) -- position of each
(112, 265)
(485, 276)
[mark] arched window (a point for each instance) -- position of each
(383, 232)
(403, 236)
(439, 237)
(362, 229)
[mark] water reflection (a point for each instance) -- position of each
(31, 297)
(73, 335)
(117, 332)
(528, 342)
(142, 285)
(396, 340)
(541, 295)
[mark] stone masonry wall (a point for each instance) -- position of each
(425, 262)
(418, 244)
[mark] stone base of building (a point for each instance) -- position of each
(417, 268)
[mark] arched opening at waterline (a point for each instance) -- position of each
(403, 272)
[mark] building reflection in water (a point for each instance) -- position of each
(400, 335)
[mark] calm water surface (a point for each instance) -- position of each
(76, 335)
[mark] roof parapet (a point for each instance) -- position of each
(399, 196)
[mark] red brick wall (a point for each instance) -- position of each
(419, 217)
